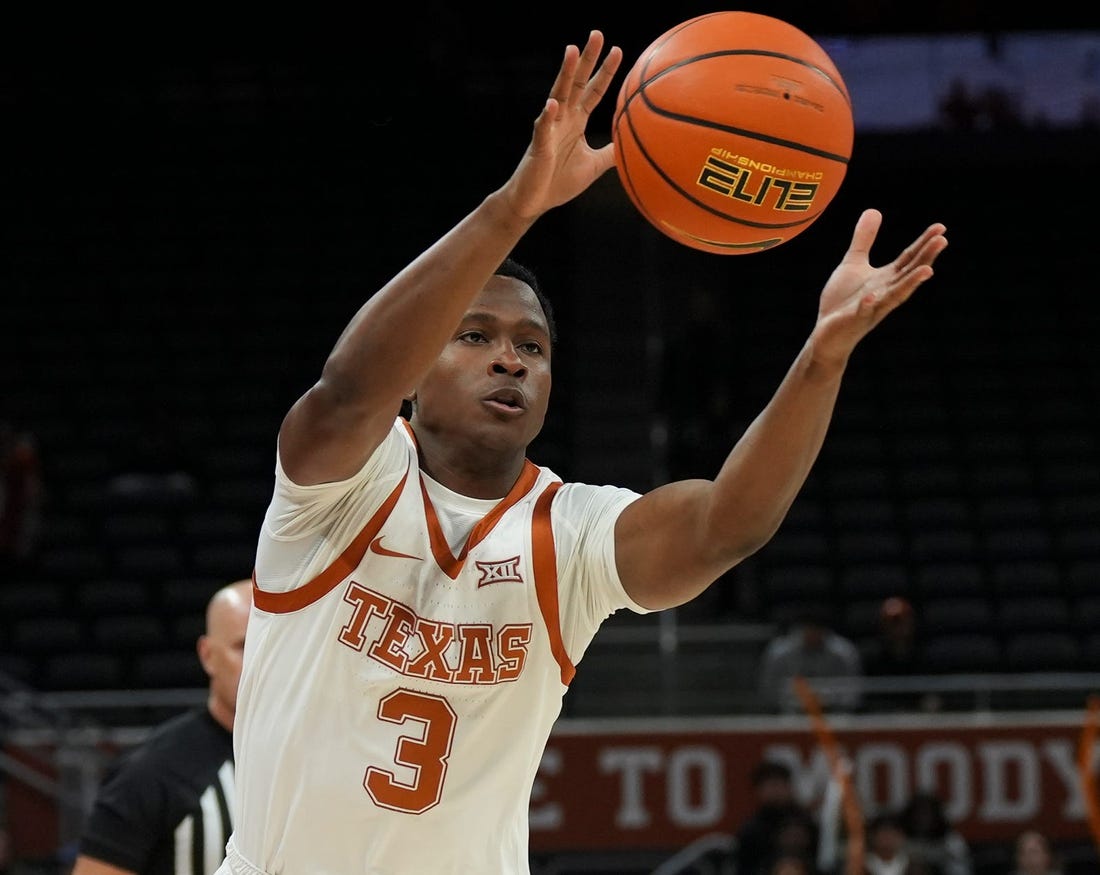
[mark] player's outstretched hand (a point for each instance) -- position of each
(858, 297)
(559, 163)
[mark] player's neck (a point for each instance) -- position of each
(476, 475)
(466, 467)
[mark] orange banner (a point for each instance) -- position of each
(660, 784)
(617, 784)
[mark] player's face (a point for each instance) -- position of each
(492, 382)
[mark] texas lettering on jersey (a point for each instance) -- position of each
(464, 653)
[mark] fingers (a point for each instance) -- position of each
(914, 266)
(575, 84)
(925, 248)
(595, 87)
(563, 83)
(863, 237)
(587, 63)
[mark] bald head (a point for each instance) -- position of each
(221, 648)
(227, 607)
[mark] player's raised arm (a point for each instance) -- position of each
(676, 540)
(399, 332)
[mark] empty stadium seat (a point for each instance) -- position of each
(38, 635)
(944, 545)
(168, 668)
(132, 528)
(25, 596)
(1082, 577)
(872, 580)
(90, 670)
(1019, 543)
(797, 583)
(184, 594)
(107, 596)
(1025, 577)
(937, 512)
(932, 580)
(232, 560)
(150, 562)
(874, 545)
(957, 614)
(962, 653)
(1042, 651)
(860, 619)
(128, 632)
(1035, 613)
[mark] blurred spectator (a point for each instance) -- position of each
(933, 842)
(5, 850)
(1001, 110)
(811, 649)
(958, 108)
(21, 494)
(894, 652)
(779, 826)
(887, 848)
(796, 836)
(792, 864)
(1033, 855)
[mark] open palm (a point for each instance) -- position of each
(858, 296)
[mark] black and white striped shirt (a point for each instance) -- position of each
(165, 808)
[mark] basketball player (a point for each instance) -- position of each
(423, 591)
(166, 807)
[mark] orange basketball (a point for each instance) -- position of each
(732, 132)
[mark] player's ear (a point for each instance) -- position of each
(202, 648)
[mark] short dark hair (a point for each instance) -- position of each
(514, 269)
(766, 770)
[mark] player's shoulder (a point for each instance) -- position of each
(578, 495)
(580, 508)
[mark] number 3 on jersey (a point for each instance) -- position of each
(426, 755)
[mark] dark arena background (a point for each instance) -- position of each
(189, 221)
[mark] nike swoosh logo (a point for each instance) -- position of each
(376, 547)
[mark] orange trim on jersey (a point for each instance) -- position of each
(450, 564)
(545, 562)
(342, 566)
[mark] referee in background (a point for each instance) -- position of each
(165, 807)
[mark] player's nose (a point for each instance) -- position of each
(507, 361)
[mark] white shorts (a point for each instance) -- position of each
(235, 864)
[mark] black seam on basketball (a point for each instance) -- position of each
(761, 245)
(683, 62)
(741, 132)
(684, 25)
(640, 146)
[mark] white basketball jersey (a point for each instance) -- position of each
(403, 670)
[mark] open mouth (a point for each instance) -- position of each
(509, 399)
